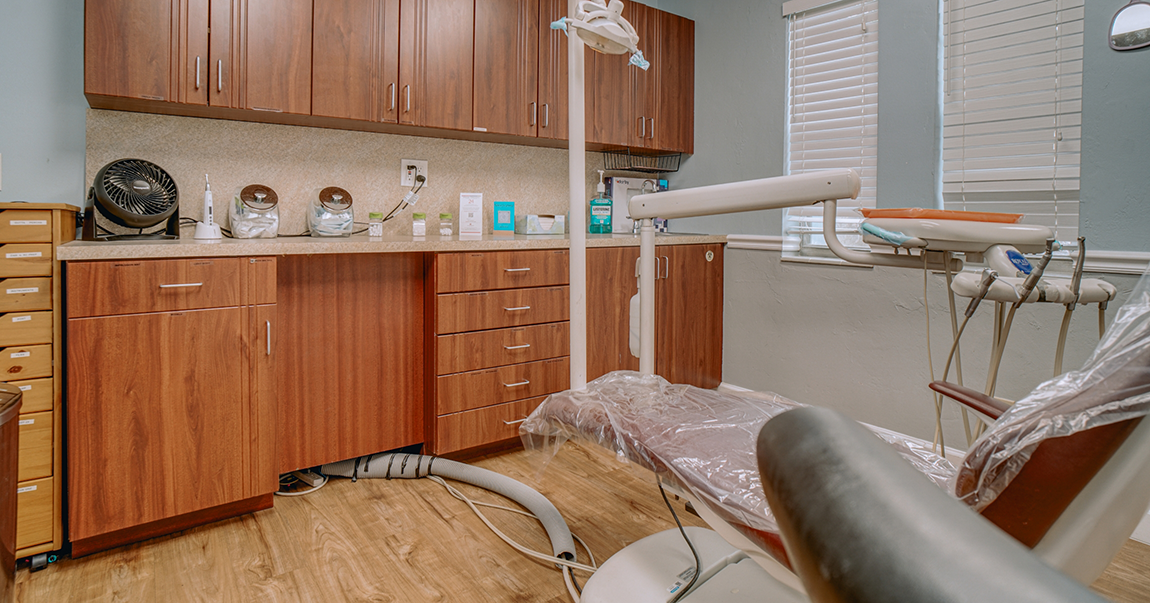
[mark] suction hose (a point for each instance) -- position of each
(415, 466)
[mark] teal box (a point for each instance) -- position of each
(504, 216)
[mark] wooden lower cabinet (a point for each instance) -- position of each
(473, 428)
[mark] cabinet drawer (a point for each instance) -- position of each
(477, 389)
(473, 428)
(483, 349)
(26, 362)
(26, 226)
(33, 512)
(25, 328)
(459, 312)
(38, 395)
(35, 446)
(26, 259)
(133, 287)
(25, 294)
(500, 270)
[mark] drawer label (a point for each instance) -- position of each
(21, 354)
(23, 290)
(28, 222)
(24, 388)
(21, 318)
(24, 254)
(27, 421)
(23, 489)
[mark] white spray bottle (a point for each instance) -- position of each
(208, 229)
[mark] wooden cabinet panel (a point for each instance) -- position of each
(349, 356)
(476, 389)
(473, 428)
(674, 128)
(552, 71)
(126, 287)
(355, 59)
(38, 394)
(610, 284)
(223, 53)
(689, 305)
(26, 259)
(25, 328)
(435, 63)
(26, 226)
(506, 67)
(193, 75)
(483, 349)
(276, 50)
(609, 95)
(25, 294)
(26, 362)
(460, 312)
(501, 270)
(128, 48)
(155, 418)
(261, 431)
(261, 281)
(35, 510)
(643, 83)
(35, 445)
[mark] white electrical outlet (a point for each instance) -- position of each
(407, 175)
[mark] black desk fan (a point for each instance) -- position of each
(132, 193)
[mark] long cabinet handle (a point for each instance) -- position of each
(658, 272)
(407, 93)
(515, 421)
(516, 347)
(220, 75)
(197, 73)
(666, 267)
(391, 87)
(518, 309)
(642, 128)
(269, 325)
(178, 285)
(524, 382)
(652, 134)
(546, 115)
(517, 270)
(534, 112)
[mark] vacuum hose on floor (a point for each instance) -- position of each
(414, 466)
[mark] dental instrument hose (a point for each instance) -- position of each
(1028, 286)
(1075, 288)
(988, 278)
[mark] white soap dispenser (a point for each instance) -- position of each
(208, 229)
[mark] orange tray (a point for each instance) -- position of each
(941, 214)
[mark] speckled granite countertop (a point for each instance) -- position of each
(191, 248)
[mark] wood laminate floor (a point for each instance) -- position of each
(406, 541)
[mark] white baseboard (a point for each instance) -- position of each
(1142, 532)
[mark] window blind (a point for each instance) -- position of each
(833, 104)
(1012, 125)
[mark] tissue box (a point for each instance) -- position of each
(532, 224)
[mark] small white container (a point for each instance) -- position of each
(418, 225)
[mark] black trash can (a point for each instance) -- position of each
(10, 402)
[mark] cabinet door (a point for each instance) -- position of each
(645, 20)
(506, 67)
(224, 64)
(435, 69)
(276, 55)
(355, 59)
(552, 71)
(155, 417)
(193, 73)
(262, 409)
(673, 128)
(610, 285)
(689, 315)
(130, 48)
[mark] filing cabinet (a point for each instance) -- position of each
(499, 343)
(31, 287)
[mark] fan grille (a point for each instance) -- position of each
(140, 187)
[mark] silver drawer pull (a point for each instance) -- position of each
(524, 382)
(269, 324)
(516, 347)
(518, 309)
(517, 270)
(178, 285)
(515, 421)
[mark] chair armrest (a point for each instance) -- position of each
(991, 407)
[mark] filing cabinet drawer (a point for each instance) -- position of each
(483, 349)
(501, 270)
(25, 328)
(35, 446)
(460, 312)
(38, 395)
(26, 259)
(476, 389)
(472, 428)
(132, 287)
(26, 226)
(25, 294)
(33, 512)
(26, 362)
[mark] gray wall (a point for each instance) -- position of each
(42, 101)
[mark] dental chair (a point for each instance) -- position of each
(1065, 470)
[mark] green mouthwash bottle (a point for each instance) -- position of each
(600, 222)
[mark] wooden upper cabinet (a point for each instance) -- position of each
(193, 71)
(275, 55)
(435, 63)
(674, 128)
(609, 93)
(129, 49)
(644, 83)
(506, 67)
(552, 71)
(355, 59)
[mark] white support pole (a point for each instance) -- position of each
(577, 176)
(647, 297)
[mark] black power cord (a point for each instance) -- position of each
(698, 568)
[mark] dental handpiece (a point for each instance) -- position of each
(1076, 283)
(988, 278)
(1036, 274)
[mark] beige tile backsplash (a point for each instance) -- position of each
(297, 161)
